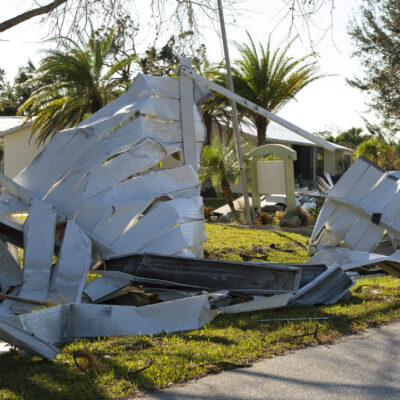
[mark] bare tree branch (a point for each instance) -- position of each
(30, 14)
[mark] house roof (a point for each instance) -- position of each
(279, 134)
(12, 124)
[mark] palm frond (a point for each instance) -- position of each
(73, 82)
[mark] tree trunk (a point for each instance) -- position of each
(208, 122)
(261, 126)
(226, 190)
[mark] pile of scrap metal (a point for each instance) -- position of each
(118, 186)
(360, 216)
(120, 194)
(98, 191)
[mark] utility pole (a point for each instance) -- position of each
(238, 141)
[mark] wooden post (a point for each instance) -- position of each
(187, 116)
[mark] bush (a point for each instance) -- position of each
(314, 213)
(279, 215)
(264, 218)
(207, 213)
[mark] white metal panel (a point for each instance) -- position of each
(365, 183)
(193, 251)
(39, 230)
(6, 306)
(122, 140)
(17, 337)
(10, 203)
(15, 189)
(150, 185)
(392, 210)
(10, 271)
(108, 214)
(371, 238)
(49, 325)
(327, 288)
(146, 85)
(350, 259)
(380, 195)
(266, 303)
(94, 320)
(160, 219)
(364, 190)
(43, 173)
(104, 286)
(189, 234)
(187, 117)
(357, 231)
(73, 263)
(112, 225)
(171, 316)
(349, 179)
(140, 158)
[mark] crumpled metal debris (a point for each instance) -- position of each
(361, 209)
(125, 181)
(353, 260)
(362, 206)
(117, 183)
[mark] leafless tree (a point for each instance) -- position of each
(74, 15)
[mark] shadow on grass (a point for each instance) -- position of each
(212, 339)
(33, 378)
(290, 239)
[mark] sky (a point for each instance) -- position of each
(327, 104)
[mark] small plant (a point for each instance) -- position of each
(207, 213)
(278, 217)
(302, 213)
(314, 213)
(264, 218)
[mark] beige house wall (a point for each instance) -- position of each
(18, 152)
(330, 162)
(333, 161)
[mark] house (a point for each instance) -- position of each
(312, 159)
(19, 151)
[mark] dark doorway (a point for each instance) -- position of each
(303, 166)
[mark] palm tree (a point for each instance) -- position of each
(73, 82)
(214, 110)
(219, 163)
(270, 79)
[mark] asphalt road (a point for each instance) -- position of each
(364, 367)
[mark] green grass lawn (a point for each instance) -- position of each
(246, 244)
(114, 368)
